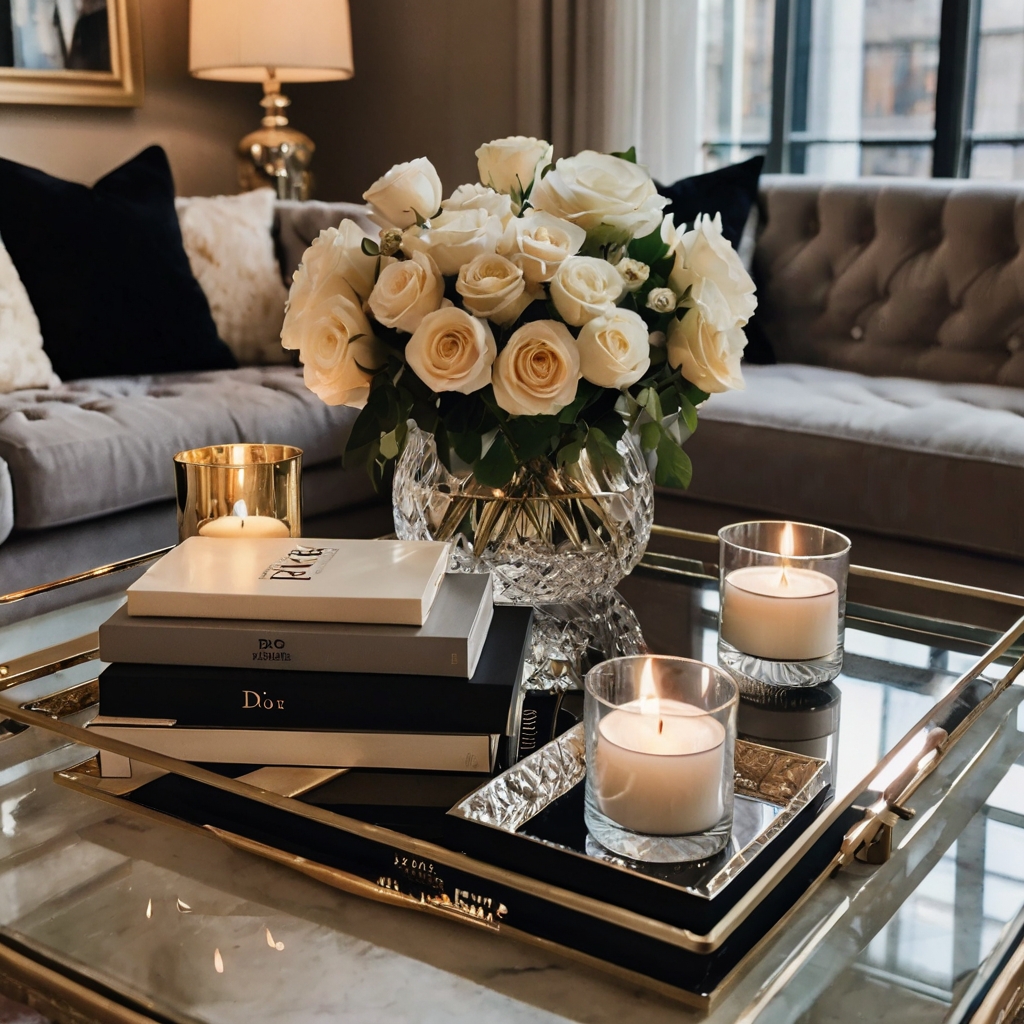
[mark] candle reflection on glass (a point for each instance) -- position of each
(240, 524)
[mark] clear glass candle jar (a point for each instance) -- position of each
(783, 602)
(239, 490)
(661, 734)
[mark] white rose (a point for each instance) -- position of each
(454, 238)
(598, 191)
(407, 190)
(585, 287)
(494, 287)
(705, 253)
(452, 351)
(539, 243)
(662, 300)
(614, 349)
(633, 273)
(336, 346)
(670, 234)
(509, 165)
(707, 344)
(406, 291)
(537, 372)
(479, 197)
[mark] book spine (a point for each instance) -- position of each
(419, 752)
(264, 700)
(280, 648)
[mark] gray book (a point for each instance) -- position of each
(312, 748)
(448, 644)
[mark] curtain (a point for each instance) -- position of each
(610, 74)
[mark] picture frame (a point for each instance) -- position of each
(85, 53)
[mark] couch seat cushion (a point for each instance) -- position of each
(914, 458)
(97, 446)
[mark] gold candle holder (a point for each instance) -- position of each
(239, 490)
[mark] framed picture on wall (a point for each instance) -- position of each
(78, 52)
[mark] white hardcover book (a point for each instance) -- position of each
(294, 579)
(299, 747)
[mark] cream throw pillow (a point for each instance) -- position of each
(231, 250)
(23, 363)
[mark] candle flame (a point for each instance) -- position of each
(218, 962)
(272, 944)
(649, 703)
(240, 509)
(149, 910)
(786, 548)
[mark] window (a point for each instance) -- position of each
(841, 88)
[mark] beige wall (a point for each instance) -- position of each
(197, 123)
(433, 78)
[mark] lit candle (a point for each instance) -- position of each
(781, 613)
(241, 524)
(660, 764)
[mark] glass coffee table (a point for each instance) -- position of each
(117, 915)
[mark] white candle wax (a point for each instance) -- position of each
(244, 526)
(781, 615)
(660, 772)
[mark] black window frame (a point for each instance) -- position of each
(953, 138)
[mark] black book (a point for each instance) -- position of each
(255, 699)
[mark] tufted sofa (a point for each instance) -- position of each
(895, 309)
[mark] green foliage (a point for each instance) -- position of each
(629, 154)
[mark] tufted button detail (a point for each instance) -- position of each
(857, 333)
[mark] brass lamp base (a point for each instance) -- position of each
(276, 155)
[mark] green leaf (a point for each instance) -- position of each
(569, 453)
(649, 399)
(421, 221)
(688, 413)
(531, 436)
(370, 247)
(674, 467)
(389, 444)
(586, 394)
(649, 249)
(547, 170)
(629, 154)
(467, 445)
(498, 464)
(650, 436)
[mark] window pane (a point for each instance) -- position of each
(999, 91)
(864, 78)
(738, 79)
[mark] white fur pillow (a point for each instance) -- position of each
(23, 363)
(231, 250)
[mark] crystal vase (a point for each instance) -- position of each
(552, 534)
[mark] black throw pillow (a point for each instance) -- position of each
(730, 191)
(106, 271)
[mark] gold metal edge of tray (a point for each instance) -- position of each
(630, 920)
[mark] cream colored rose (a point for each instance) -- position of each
(537, 372)
(335, 258)
(662, 300)
(480, 197)
(510, 165)
(539, 243)
(605, 195)
(406, 292)
(585, 287)
(405, 192)
(633, 273)
(670, 234)
(452, 351)
(454, 238)
(705, 253)
(707, 344)
(336, 347)
(614, 350)
(494, 287)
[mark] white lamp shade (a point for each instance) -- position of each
(244, 40)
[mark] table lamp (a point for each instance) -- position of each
(272, 41)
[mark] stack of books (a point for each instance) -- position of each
(316, 653)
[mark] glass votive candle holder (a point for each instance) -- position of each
(239, 490)
(783, 602)
(661, 734)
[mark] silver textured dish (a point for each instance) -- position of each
(772, 788)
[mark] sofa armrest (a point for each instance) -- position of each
(297, 224)
(6, 502)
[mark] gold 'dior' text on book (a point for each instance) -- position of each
(252, 700)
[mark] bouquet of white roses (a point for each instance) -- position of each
(541, 311)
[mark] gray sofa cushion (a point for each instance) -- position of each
(6, 502)
(889, 277)
(297, 223)
(97, 446)
(934, 461)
